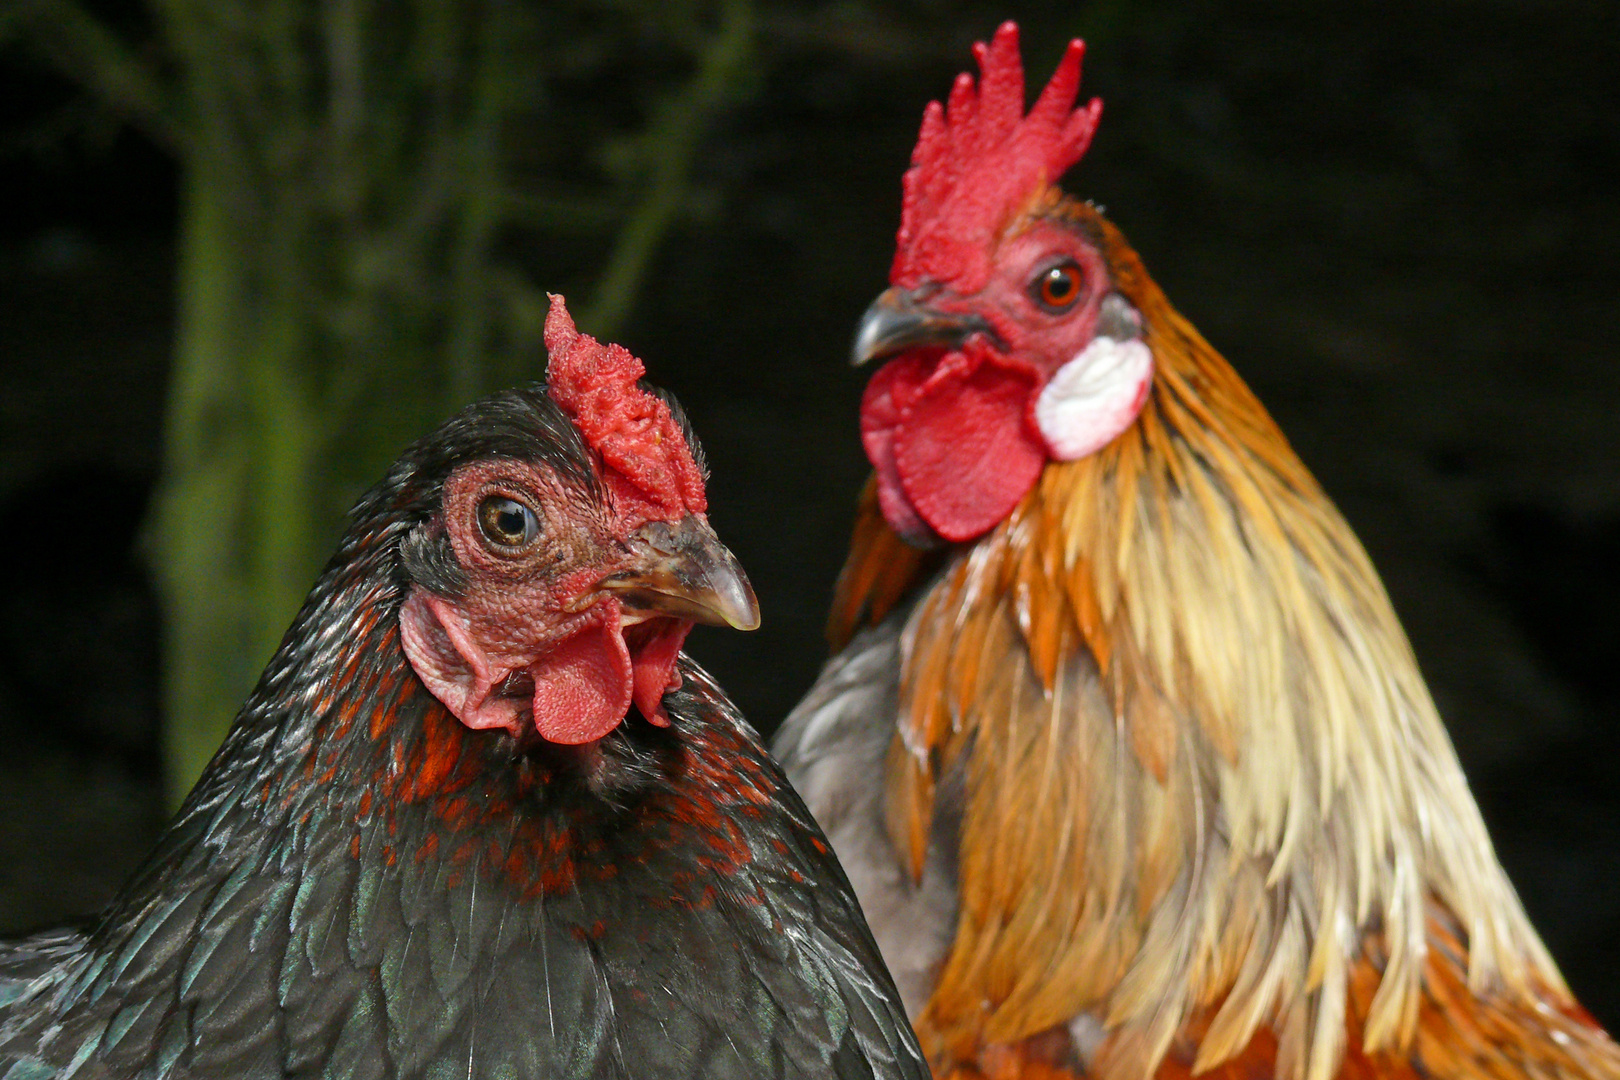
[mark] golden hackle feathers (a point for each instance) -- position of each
(881, 568)
(1458, 1032)
(1202, 765)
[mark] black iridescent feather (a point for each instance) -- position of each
(361, 887)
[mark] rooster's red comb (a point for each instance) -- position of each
(980, 159)
(648, 466)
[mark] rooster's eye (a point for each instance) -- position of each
(1057, 287)
(506, 523)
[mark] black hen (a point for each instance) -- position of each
(375, 879)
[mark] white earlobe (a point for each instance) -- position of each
(1094, 397)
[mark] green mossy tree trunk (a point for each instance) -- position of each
(334, 279)
(350, 168)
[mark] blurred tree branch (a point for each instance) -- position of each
(87, 52)
(860, 33)
(667, 147)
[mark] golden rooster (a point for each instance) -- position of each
(1123, 747)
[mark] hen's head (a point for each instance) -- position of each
(561, 553)
(1006, 341)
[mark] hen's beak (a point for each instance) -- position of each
(901, 319)
(683, 570)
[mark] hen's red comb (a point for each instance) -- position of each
(980, 159)
(648, 467)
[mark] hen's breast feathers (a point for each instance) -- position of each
(1205, 795)
(705, 927)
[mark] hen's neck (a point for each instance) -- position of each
(341, 753)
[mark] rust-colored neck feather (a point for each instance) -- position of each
(1209, 799)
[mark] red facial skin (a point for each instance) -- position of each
(530, 645)
(952, 435)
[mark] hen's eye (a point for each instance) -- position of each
(507, 523)
(1058, 287)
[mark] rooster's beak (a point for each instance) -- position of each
(901, 319)
(683, 570)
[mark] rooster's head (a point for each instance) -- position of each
(1008, 344)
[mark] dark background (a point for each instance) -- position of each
(1399, 221)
